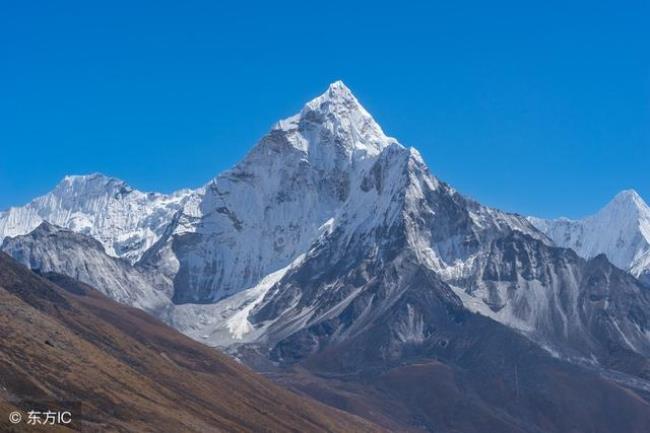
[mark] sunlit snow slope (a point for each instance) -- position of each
(620, 230)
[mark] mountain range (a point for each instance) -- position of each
(332, 260)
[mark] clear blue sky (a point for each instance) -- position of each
(535, 107)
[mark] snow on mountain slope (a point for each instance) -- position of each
(406, 230)
(325, 166)
(266, 211)
(225, 323)
(621, 231)
(127, 222)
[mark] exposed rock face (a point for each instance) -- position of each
(53, 249)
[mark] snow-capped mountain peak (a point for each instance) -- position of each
(627, 203)
(334, 122)
(90, 185)
(126, 221)
(620, 230)
(629, 195)
(337, 100)
(266, 211)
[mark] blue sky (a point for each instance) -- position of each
(536, 107)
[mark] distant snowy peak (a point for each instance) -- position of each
(90, 185)
(631, 198)
(126, 221)
(628, 204)
(620, 230)
(99, 185)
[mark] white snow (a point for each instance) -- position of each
(227, 321)
(127, 222)
(411, 330)
(621, 231)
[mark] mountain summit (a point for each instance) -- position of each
(627, 203)
(620, 230)
(339, 114)
(126, 221)
(331, 131)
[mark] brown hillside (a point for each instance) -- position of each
(62, 340)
